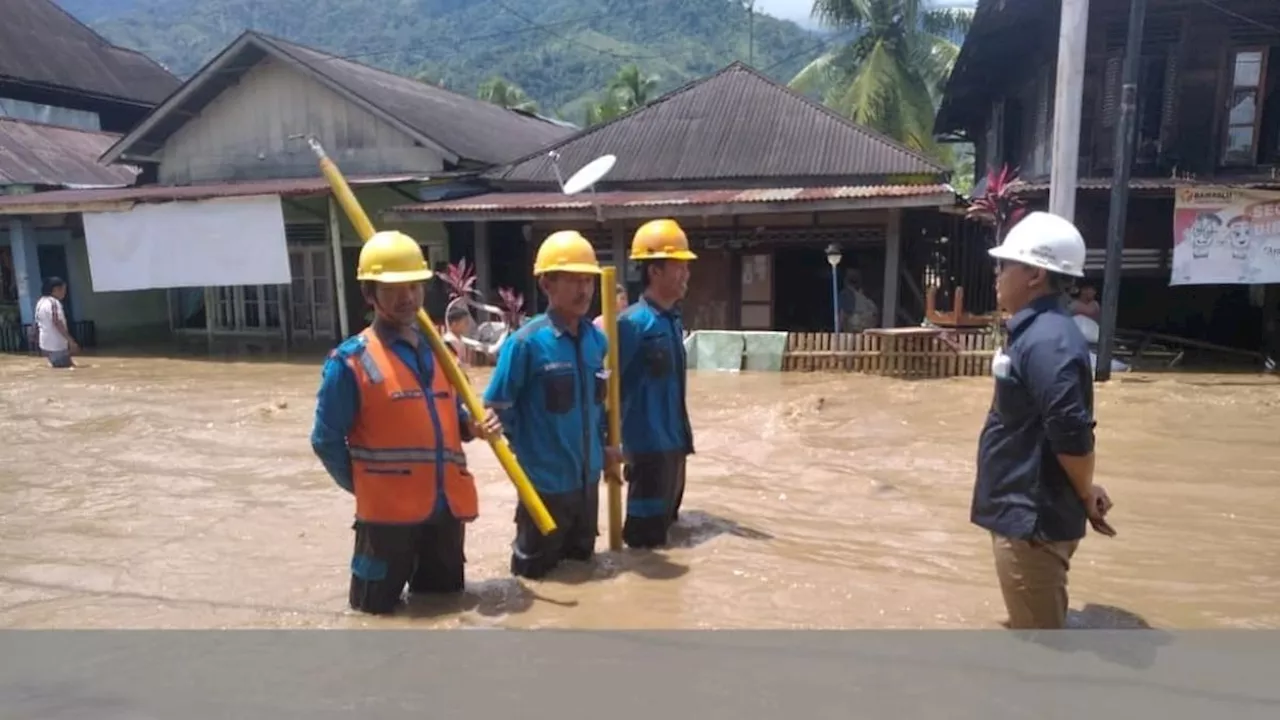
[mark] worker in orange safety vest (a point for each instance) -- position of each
(389, 429)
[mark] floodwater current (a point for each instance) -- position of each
(183, 493)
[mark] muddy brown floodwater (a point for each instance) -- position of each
(166, 493)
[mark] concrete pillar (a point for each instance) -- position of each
(892, 261)
(26, 266)
(1068, 97)
(483, 259)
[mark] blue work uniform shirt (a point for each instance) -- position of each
(548, 389)
(338, 405)
(1042, 407)
(651, 361)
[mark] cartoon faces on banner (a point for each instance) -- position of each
(1226, 236)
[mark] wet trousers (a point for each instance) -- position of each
(655, 489)
(428, 557)
(1033, 580)
(576, 513)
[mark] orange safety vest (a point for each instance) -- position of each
(402, 452)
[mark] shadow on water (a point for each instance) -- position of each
(696, 527)
(488, 598)
(1094, 628)
(648, 564)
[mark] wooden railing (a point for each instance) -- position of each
(896, 352)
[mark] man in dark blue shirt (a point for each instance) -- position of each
(549, 391)
(1034, 489)
(656, 436)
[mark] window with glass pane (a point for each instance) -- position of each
(1240, 144)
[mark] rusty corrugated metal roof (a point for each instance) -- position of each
(554, 202)
(736, 124)
(69, 200)
(36, 154)
(41, 43)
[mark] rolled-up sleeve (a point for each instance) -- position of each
(337, 402)
(1055, 378)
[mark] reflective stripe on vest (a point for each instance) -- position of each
(406, 444)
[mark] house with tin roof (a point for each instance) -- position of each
(235, 235)
(763, 180)
(66, 95)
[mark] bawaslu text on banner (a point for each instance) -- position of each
(1224, 235)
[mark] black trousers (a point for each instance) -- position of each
(655, 489)
(428, 557)
(576, 513)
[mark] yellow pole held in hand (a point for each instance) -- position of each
(613, 473)
(360, 221)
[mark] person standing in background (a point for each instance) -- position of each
(54, 339)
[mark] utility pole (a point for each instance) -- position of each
(751, 32)
(1124, 141)
(1073, 31)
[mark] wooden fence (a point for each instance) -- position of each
(897, 352)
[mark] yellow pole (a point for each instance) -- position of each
(360, 221)
(613, 473)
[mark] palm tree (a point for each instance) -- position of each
(501, 91)
(891, 76)
(608, 108)
(632, 88)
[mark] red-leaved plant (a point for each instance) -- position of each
(461, 279)
(512, 307)
(998, 207)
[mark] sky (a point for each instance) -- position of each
(798, 10)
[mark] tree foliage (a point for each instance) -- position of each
(558, 53)
(891, 73)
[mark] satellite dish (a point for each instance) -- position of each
(589, 175)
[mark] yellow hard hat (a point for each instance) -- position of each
(661, 240)
(392, 257)
(566, 251)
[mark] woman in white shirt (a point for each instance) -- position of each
(55, 339)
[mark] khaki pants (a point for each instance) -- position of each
(1033, 579)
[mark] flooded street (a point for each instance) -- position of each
(173, 493)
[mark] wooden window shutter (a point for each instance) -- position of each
(1108, 111)
(1169, 103)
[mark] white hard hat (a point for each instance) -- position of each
(1045, 241)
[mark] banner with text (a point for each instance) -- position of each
(1225, 235)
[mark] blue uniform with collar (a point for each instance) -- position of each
(1042, 407)
(549, 389)
(656, 434)
(429, 557)
(651, 359)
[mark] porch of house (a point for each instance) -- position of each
(318, 307)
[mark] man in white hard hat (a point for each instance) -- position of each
(1034, 490)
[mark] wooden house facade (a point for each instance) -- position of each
(1207, 113)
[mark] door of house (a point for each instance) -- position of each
(756, 310)
(311, 296)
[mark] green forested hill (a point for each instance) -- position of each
(560, 52)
